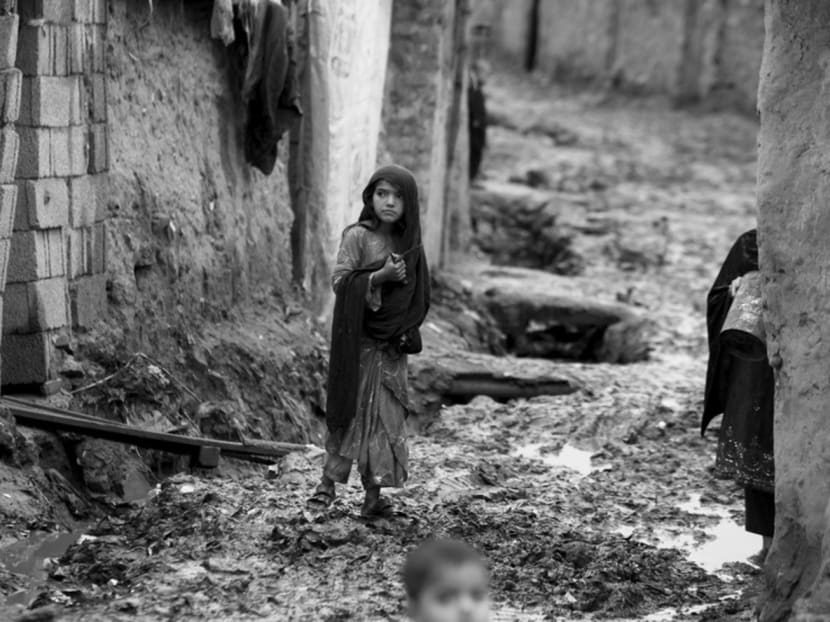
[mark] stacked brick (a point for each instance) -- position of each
(10, 85)
(56, 268)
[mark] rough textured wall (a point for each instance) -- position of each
(193, 229)
(419, 89)
(794, 225)
(576, 39)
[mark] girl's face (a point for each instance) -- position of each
(388, 202)
(457, 594)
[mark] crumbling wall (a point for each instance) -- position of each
(193, 230)
(794, 224)
(424, 112)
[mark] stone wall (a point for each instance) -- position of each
(794, 224)
(57, 261)
(689, 49)
(10, 85)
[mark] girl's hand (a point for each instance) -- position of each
(733, 287)
(393, 270)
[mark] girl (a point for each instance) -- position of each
(381, 282)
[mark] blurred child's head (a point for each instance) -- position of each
(447, 581)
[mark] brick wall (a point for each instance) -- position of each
(56, 266)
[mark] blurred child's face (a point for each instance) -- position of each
(456, 594)
(388, 202)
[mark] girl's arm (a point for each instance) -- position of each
(349, 258)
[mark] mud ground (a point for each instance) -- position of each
(595, 505)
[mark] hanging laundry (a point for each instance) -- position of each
(269, 86)
(221, 21)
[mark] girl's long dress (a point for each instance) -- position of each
(376, 438)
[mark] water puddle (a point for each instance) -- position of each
(726, 541)
(31, 557)
(569, 457)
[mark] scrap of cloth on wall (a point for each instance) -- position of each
(259, 38)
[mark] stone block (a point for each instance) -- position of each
(96, 49)
(79, 252)
(77, 48)
(57, 11)
(78, 150)
(36, 306)
(35, 255)
(5, 251)
(98, 148)
(44, 204)
(82, 202)
(88, 299)
(26, 358)
(8, 206)
(34, 160)
(99, 11)
(42, 49)
(99, 248)
(83, 11)
(98, 104)
(100, 186)
(9, 149)
(68, 151)
(52, 101)
(10, 85)
(9, 25)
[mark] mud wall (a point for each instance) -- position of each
(794, 222)
(424, 114)
(689, 49)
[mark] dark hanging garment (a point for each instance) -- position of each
(743, 391)
(477, 124)
(269, 85)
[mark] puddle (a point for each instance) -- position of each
(726, 540)
(28, 557)
(569, 457)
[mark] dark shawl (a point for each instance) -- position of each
(740, 389)
(404, 307)
(270, 84)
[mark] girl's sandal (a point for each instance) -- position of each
(322, 499)
(382, 508)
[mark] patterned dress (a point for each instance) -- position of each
(376, 437)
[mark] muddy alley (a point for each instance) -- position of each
(560, 393)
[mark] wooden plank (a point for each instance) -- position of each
(51, 418)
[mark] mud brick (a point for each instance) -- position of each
(99, 11)
(82, 202)
(78, 252)
(88, 298)
(50, 101)
(5, 251)
(36, 255)
(42, 49)
(100, 184)
(99, 248)
(82, 11)
(57, 11)
(10, 85)
(8, 205)
(44, 204)
(78, 150)
(9, 25)
(76, 48)
(98, 105)
(34, 307)
(96, 49)
(98, 148)
(61, 159)
(34, 160)
(9, 149)
(26, 358)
